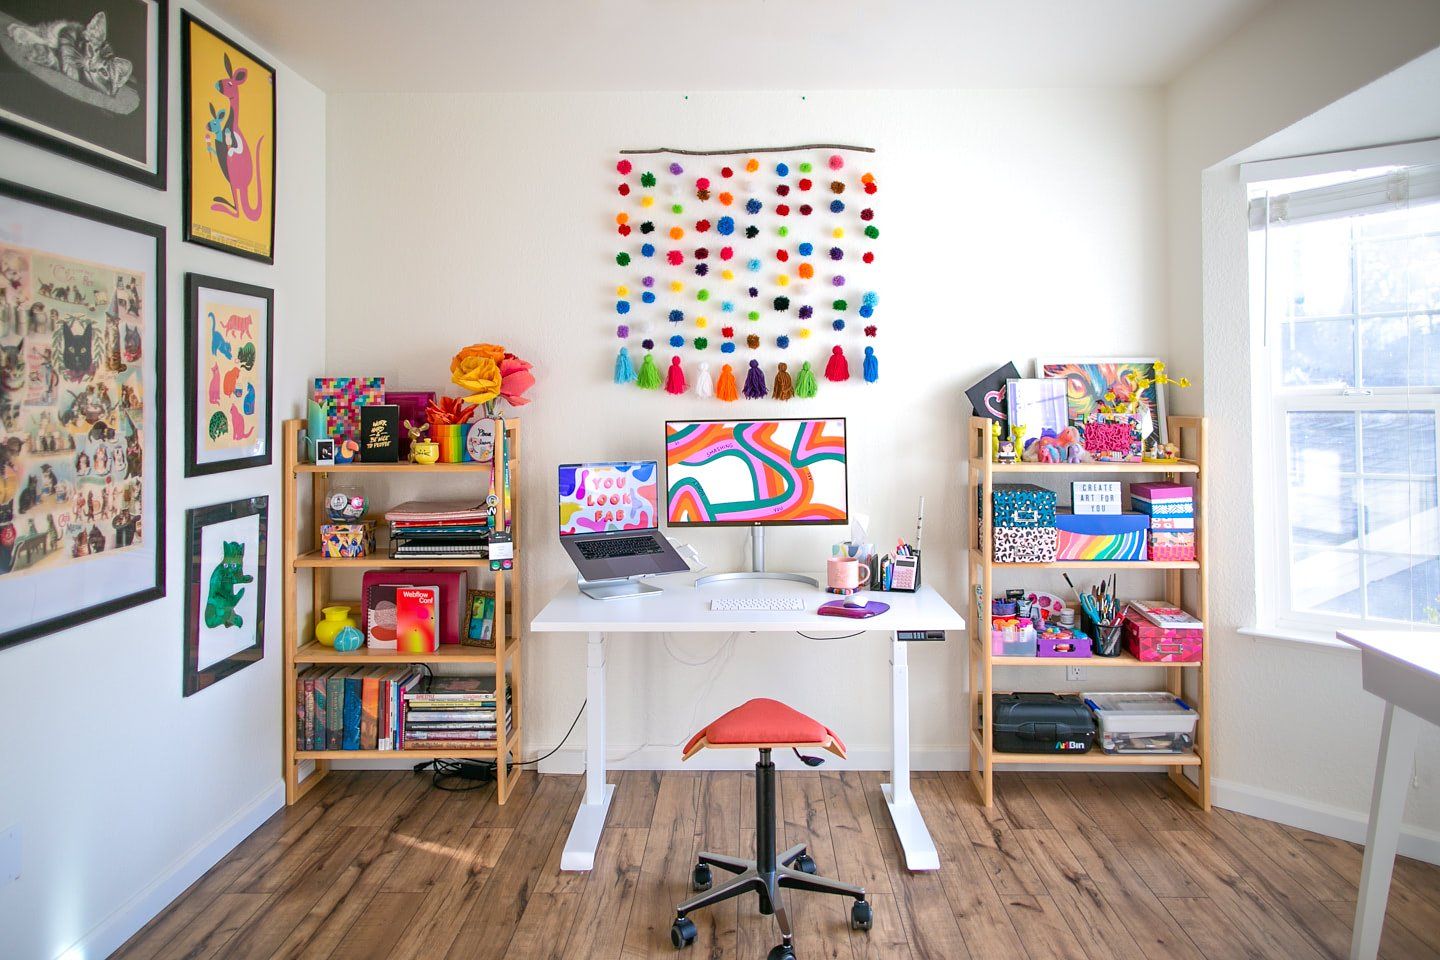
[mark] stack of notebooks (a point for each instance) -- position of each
(452, 712)
(1171, 508)
(439, 529)
(352, 708)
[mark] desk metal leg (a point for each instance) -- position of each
(1387, 803)
(920, 852)
(584, 836)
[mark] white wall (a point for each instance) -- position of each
(124, 790)
(1014, 222)
(1295, 733)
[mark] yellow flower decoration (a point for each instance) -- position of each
(475, 371)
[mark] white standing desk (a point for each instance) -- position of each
(1401, 667)
(684, 608)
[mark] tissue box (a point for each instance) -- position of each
(1101, 536)
(346, 540)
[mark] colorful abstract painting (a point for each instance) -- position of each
(228, 346)
(341, 399)
(723, 258)
(600, 497)
(1089, 379)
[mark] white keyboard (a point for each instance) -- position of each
(776, 604)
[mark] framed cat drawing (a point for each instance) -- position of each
(228, 113)
(225, 563)
(87, 79)
(82, 413)
(229, 348)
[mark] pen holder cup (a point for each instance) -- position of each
(1106, 640)
(905, 574)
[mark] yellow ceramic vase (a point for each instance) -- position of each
(334, 620)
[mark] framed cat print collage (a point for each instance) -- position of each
(83, 326)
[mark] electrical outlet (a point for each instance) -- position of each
(10, 855)
(1074, 673)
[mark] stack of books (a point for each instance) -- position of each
(1171, 508)
(453, 712)
(439, 529)
(352, 708)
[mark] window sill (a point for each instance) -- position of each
(1309, 638)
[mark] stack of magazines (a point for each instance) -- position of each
(439, 529)
(453, 713)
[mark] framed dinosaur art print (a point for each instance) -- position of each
(229, 134)
(229, 349)
(225, 562)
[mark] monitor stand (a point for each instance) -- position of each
(622, 589)
(757, 566)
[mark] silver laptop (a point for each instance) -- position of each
(610, 523)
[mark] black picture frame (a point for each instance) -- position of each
(48, 136)
(195, 677)
(195, 284)
(187, 200)
(152, 523)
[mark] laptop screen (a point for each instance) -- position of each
(608, 497)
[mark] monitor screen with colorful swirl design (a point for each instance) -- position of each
(743, 472)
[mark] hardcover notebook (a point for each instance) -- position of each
(415, 619)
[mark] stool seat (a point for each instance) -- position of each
(764, 724)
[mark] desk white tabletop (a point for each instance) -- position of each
(684, 608)
(1401, 667)
(1418, 649)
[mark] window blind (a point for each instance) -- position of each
(1394, 190)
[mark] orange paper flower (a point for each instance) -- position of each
(476, 370)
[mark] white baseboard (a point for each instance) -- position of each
(1337, 822)
(109, 934)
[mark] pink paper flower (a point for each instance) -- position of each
(515, 379)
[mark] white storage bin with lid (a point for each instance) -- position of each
(1143, 722)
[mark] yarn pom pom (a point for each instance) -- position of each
(838, 368)
(622, 291)
(702, 183)
(702, 269)
(726, 253)
(647, 179)
(624, 189)
(805, 249)
(806, 167)
(622, 217)
(675, 380)
(782, 255)
(647, 249)
(837, 187)
(838, 232)
(725, 226)
(806, 271)
(701, 322)
(676, 169)
(870, 299)
(753, 315)
(840, 305)
(623, 259)
(701, 253)
(701, 343)
(868, 257)
(726, 199)
(752, 341)
(752, 231)
(836, 161)
(867, 311)
(782, 280)
(782, 232)
(622, 307)
(837, 325)
(675, 257)
(782, 210)
(727, 332)
(806, 209)
(784, 387)
(805, 184)
(871, 188)
(753, 264)
(677, 208)
(806, 312)
(838, 280)
(647, 297)
(702, 294)
(623, 166)
(649, 376)
(805, 386)
(677, 341)
(676, 316)
(648, 344)
(872, 231)
(647, 202)
(676, 286)
(727, 306)
(702, 225)
(727, 347)
(872, 366)
(867, 178)
(804, 333)
(753, 206)
(647, 281)
(755, 382)
(782, 341)
(870, 330)
(725, 384)
(753, 291)
(647, 227)
(726, 172)
(782, 303)
(783, 190)
(836, 253)
(623, 331)
(623, 229)
(702, 194)
(782, 170)
(867, 214)
(624, 369)
(837, 206)
(752, 165)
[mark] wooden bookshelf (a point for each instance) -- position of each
(1188, 680)
(301, 651)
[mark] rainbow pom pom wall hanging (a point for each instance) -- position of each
(777, 246)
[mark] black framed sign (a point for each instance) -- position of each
(87, 79)
(229, 349)
(82, 413)
(225, 547)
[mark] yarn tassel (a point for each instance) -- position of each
(649, 377)
(872, 366)
(838, 369)
(784, 387)
(704, 385)
(755, 382)
(805, 386)
(675, 379)
(725, 386)
(624, 369)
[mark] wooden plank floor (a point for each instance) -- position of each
(1073, 866)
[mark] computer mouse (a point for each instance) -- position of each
(855, 601)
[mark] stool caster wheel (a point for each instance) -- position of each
(701, 878)
(805, 863)
(860, 916)
(682, 932)
(782, 952)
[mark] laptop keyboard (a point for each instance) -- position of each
(612, 547)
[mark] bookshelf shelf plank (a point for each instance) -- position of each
(312, 653)
(490, 754)
(312, 558)
(401, 467)
(1184, 466)
(1125, 659)
(1102, 565)
(1099, 758)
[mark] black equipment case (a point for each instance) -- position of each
(1041, 723)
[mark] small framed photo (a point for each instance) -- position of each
(325, 452)
(229, 351)
(479, 618)
(225, 563)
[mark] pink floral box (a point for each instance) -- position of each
(1152, 644)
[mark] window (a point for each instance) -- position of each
(1346, 281)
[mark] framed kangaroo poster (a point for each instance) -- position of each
(82, 413)
(229, 346)
(86, 79)
(224, 590)
(229, 155)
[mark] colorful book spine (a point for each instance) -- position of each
(350, 735)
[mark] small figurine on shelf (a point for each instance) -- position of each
(418, 434)
(1002, 447)
(425, 452)
(1052, 447)
(1156, 452)
(346, 450)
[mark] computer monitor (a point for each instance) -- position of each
(756, 473)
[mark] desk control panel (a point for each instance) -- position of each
(914, 635)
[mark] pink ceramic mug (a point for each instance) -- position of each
(844, 573)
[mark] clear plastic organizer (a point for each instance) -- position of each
(1143, 722)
